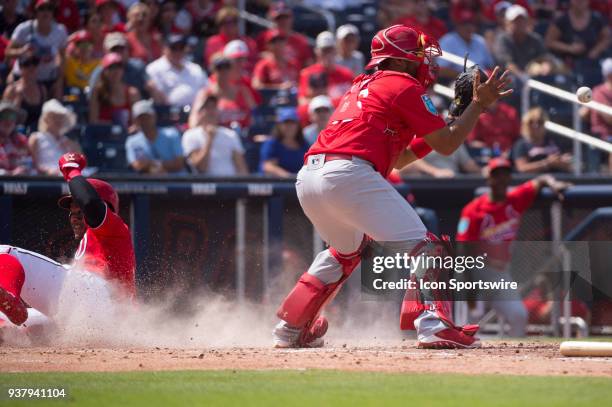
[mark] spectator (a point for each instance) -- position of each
(238, 52)
(298, 47)
(497, 129)
(10, 18)
(93, 26)
(153, 149)
(417, 14)
(275, 71)
(464, 40)
(109, 10)
(283, 155)
(235, 99)
(49, 143)
(202, 16)
(212, 149)
(112, 98)
(348, 42)
(47, 40)
(134, 69)
(15, 157)
(143, 38)
(67, 14)
(80, 63)
(493, 31)
(601, 123)
(580, 37)
(440, 166)
(175, 76)
(171, 20)
(536, 151)
(320, 110)
(227, 21)
(27, 92)
(518, 45)
(339, 78)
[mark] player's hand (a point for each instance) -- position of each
(71, 165)
(485, 94)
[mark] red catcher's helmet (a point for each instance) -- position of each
(104, 190)
(403, 42)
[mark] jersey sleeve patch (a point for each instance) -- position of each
(429, 105)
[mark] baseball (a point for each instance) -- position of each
(584, 94)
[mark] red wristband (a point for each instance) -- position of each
(419, 147)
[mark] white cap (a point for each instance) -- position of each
(606, 68)
(345, 30)
(236, 49)
(318, 102)
(515, 11)
(325, 39)
(55, 106)
(143, 107)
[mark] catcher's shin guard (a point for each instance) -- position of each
(301, 308)
(414, 302)
(12, 277)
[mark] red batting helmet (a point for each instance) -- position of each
(104, 190)
(403, 42)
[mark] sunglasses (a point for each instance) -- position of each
(29, 63)
(8, 116)
(177, 47)
(536, 122)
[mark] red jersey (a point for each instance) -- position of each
(108, 251)
(497, 126)
(486, 221)
(339, 80)
(269, 72)
(378, 118)
(298, 48)
(602, 94)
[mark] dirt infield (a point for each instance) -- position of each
(517, 358)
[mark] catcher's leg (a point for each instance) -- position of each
(301, 325)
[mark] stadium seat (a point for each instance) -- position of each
(104, 147)
(76, 100)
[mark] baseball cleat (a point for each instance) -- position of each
(12, 307)
(449, 338)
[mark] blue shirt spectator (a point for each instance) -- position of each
(283, 154)
(464, 40)
(154, 150)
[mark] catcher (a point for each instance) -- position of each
(385, 120)
(104, 263)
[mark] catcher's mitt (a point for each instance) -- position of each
(464, 89)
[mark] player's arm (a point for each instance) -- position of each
(83, 194)
(447, 139)
(547, 180)
(417, 149)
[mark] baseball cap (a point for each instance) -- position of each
(114, 39)
(8, 106)
(236, 49)
(501, 7)
(345, 30)
(111, 58)
(285, 114)
(175, 39)
(273, 34)
(278, 9)
(143, 107)
(42, 3)
(81, 36)
(325, 39)
(220, 63)
(515, 11)
(606, 67)
(466, 16)
(498, 162)
(318, 102)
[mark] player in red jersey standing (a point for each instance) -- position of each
(495, 217)
(385, 120)
(104, 264)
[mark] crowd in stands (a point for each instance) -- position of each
(191, 87)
